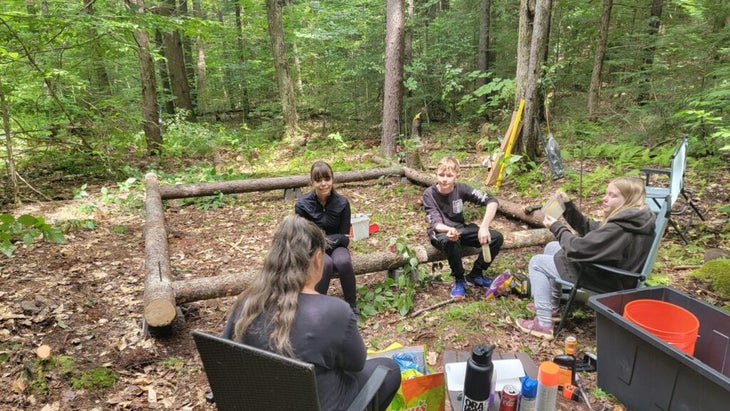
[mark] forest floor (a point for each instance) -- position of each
(83, 298)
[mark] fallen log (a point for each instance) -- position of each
(231, 284)
(159, 297)
(268, 184)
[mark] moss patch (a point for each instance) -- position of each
(717, 274)
(95, 378)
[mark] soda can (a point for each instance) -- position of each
(508, 398)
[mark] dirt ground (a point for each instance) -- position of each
(84, 298)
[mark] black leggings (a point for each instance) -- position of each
(391, 383)
(339, 260)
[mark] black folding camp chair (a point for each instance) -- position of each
(247, 378)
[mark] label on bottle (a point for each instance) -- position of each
(471, 405)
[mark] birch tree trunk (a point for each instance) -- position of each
(393, 87)
(201, 70)
(595, 87)
(538, 48)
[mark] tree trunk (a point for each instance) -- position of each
(167, 104)
(233, 283)
(408, 32)
(649, 49)
(268, 184)
(176, 64)
(97, 60)
(286, 89)
(159, 297)
(151, 125)
(245, 103)
(201, 71)
(524, 40)
(393, 85)
(595, 87)
(9, 160)
(534, 74)
(483, 55)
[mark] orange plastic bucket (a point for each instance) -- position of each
(667, 321)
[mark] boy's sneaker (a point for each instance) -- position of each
(459, 290)
(478, 280)
(533, 327)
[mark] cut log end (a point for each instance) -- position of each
(159, 313)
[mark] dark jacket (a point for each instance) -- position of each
(333, 218)
(623, 241)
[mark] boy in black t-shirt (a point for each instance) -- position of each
(448, 231)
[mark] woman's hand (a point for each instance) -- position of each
(548, 221)
(561, 196)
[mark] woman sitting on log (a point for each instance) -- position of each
(331, 212)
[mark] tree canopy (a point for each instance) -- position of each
(71, 70)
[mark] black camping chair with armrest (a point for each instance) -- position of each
(248, 378)
(656, 195)
(617, 278)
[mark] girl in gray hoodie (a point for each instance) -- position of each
(622, 239)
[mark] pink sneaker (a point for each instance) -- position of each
(533, 327)
(555, 315)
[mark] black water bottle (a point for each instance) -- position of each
(478, 379)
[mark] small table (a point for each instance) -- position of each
(462, 356)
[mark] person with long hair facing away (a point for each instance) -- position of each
(331, 212)
(282, 312)
(621, 239)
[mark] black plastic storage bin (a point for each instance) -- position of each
(646, 373)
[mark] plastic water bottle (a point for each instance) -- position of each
(528, 394)
(478, 379)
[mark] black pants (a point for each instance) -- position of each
(469, 238)
(391, 383)
(339, 260)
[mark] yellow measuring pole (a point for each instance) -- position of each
(510, 142)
